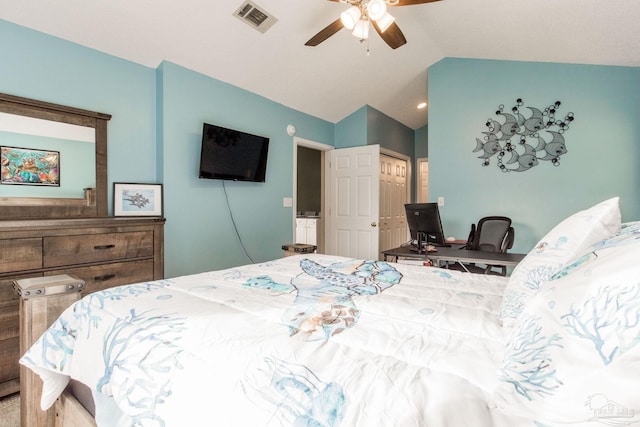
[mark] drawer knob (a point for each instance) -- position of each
(104, 278)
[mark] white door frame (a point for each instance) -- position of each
(302, 142)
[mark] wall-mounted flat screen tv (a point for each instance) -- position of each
(232, 155)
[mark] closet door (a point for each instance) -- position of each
(393, 196)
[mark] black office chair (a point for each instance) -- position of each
(492, 234)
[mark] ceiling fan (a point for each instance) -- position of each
(363, 12)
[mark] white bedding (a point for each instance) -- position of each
(311, 340)
(318, 340)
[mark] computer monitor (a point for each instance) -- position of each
(424, 223)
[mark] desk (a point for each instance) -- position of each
(455, 254)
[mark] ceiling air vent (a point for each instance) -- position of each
(255, 16)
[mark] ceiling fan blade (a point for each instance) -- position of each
(410, 2)
(325, 33)
(392, 36)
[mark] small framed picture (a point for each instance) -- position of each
(131, 199)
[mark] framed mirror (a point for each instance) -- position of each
(54, 160)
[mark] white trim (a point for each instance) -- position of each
(311, 144)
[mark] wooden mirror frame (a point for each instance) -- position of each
(94, 204)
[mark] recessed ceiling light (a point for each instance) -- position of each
(422, 105)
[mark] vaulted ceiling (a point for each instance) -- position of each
(334, 79)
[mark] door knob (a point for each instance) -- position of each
(374, 224)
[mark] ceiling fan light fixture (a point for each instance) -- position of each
(376, 9)
(385, 22)
(361, 30)
(350, 17)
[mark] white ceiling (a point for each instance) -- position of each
(337, 77)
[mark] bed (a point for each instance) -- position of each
(319, 340)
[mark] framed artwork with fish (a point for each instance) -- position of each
(131, 199)
(28, 166)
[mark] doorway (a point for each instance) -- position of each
(309, 191)
(422, 178)
(394, 186)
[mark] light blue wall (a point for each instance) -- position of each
(389, 133)
(368, 126)
(421, 150)
(200, 235)
(602, 143)
(154, 136)
(421, 141)
(46, 68)
(352, 130)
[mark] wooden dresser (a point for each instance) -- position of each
(104, 252)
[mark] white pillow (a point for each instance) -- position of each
(562, 244)
(574, 354)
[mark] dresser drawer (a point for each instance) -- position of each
(88, 248)
(20, 254)
(9, 355)
(9, 322)
(99, 277)
(10, 328)
(103, 251)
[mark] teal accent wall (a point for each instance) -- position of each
(352, 130)
(602, 143)
(421, 149)
(200, 233)
(389, 133)
(154, 136)
(38, 66)
(368, 126)
(421, 142)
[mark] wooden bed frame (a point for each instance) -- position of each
(37, 313)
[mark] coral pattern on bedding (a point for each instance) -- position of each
(574, 356)
(223, 347)
(560, 246)
(127, 377)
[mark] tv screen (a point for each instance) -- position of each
(232, 154)
(424, 223)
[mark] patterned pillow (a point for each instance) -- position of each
(561, 245)
(574, 354)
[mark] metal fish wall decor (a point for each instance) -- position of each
(521, 142)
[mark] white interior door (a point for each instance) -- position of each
(393, 195)
(353, 202)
